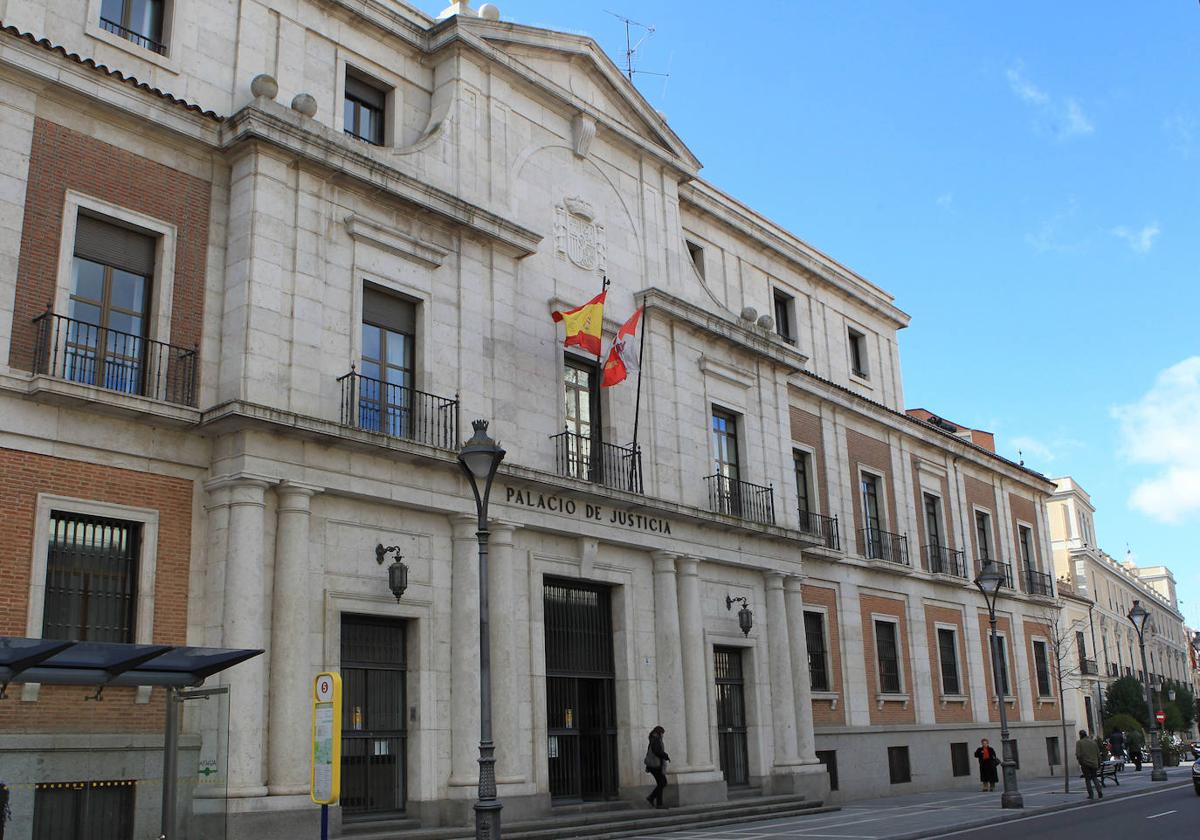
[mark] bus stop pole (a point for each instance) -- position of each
(170, 764)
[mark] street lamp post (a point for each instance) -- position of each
(1138, 616)
(989, 582)
(479, 458)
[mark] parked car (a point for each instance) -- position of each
(1196, 775)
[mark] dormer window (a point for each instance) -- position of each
(365, 108)
(858, 353)
(697, 255)
(139, 21)
(784, 316)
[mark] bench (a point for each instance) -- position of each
(1108, 770)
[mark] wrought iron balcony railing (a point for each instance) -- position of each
(741, 498)
(136, 37)
(398, 411)
(1087, 667)
(882, 545)
(1007, 571)
(583, 457)
(823, 527)
(1038, 583)
(944, 561)
(77, 351)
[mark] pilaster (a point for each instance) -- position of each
(464, 657)
(798, 645)
(784, 711)
(667, 647)
(693, 654)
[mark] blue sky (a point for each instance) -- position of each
(1022, 176)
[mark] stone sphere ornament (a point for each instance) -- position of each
(264, 84)
(489, 11)
(305, 104)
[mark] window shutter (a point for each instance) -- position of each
(112, 245)
(364, 92)
(388, 311)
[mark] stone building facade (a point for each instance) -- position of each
(1098, 592)
(241, 341)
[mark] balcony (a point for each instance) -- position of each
(1088, 668)
(881, 545)
(398, 411)
(136, 37)
(824, 528)
(1005, 570)
(945, 561)
(585, 458)
(1039, 583)
(89, 354)
(741, 498)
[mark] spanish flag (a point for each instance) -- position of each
(583, 324)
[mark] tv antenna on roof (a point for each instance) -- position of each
(631, 48)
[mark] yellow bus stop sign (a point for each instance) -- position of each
(326, 777)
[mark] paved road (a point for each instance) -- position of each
(1168, 808)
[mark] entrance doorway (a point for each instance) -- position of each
(581, 710)
(731, 716)
(374, 734)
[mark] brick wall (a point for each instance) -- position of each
(874, 456)
(62, 159)
(982, 494)
(1024, 510)
(952, 712)
(824, 713)
(893, 712)
(1048, 711)
(22, 476)
(806, 429)
(1003, 627)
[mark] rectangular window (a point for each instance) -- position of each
(887, 654)
(1052, 755)
(95, 810)
(818, 664)
(581, 396)
(1041, 665)
(386, 397)
(858, 353)
(871, 517)
(933, 519)
(802, 462)
(1026, 539)
(91, 579)
(1001, 655)
(105, 341)
(140, 21)
(898, 768)
(948, 660)
(697, 255)
(960, 762)
(727, 490)
(784, 306)
(829, 759)
(1087, 711)
(365, 108)
(983, 536)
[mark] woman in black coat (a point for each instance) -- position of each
(656, 765)
(988, 762)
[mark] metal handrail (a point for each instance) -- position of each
(398, 411)
(1006, 570)
(741, 498)
(581, 456)
(943, 560)
(818, 525)
(1038, 583)
(90, 354)
(1088, 667)
(130, 35)
(883, 545)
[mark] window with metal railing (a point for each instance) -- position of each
(91, 579)
(97, 810)
(138, 21)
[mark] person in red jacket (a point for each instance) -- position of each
(988, 762)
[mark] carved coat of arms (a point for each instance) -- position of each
(578, 237)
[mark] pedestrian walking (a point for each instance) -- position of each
(1116, 745)
(1087, 753)
(988, 762)
(656, 766)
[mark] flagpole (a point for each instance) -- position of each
(600, 347)
(637, 403)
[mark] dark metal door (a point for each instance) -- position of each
(731, 716)
(580, 691)
(374, 734)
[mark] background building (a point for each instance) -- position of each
(238, 344)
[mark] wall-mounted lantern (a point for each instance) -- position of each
(397, 572)
(745, 617)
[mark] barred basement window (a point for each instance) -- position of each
(960, 762)
(75, 810)
(818, 668)
(899, 771)
(91, 578)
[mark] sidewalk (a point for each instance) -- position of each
(919, 815)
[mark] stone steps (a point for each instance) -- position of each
(616, 820)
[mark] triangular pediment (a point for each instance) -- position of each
(575, 69)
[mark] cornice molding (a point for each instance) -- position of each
(396, 241)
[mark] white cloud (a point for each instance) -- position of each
(1139, 240)
(1040, 451)
(1065, 117)
(1162, 430)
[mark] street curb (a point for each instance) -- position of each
(1014, 814)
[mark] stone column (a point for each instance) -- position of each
(783, 688)
(245, 605)
(693, 652)
(798, 646)
(291, 671)
(505, 705)
(668, 665)
(464, 656)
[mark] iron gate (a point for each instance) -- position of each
(581, 711)
(731, 716)
(374, 735)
